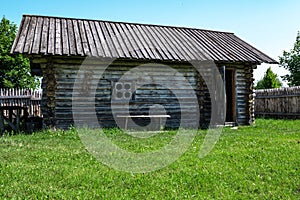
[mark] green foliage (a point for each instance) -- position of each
(251, 162)
(270, 80)
(14, 69)
(291, 61)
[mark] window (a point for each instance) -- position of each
(123, 90)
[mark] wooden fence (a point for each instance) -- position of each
(31, 99)
(278, 103)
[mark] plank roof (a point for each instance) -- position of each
(44, 35)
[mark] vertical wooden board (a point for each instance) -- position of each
(102, 40)
(133, 40)
(126, 43)
(217, 45)
(177, 54)
(178, 46)
(77, 36)
(65, 39)
(51, 43)
(44, 41)
(213, 45)
(148, 41)
(57, 37)
(120, 38)
(159, 51)
(37, 36)
(141, 38)
(90, 39)
(205, 42)
(71, 36)
(160, 42)
(295, 104)
(252, 49)
(140, 47)
(96, 39)
(108, 40)
(112, 34)
(191, 43)
(84, 40)
(30, 36)
(236, 46)
(135, 52)
(20, 37)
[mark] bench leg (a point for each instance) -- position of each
(160, 123)
(126, 122)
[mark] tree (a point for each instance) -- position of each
(270, 80)
(14, 69)
(291, 61)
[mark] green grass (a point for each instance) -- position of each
(254, 162)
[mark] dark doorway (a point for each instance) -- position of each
(230, 95)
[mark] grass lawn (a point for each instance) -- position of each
(253, 162)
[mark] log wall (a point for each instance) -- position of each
(166, 91)
(95, 94)
(244, 105)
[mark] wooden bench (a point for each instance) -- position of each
(160, 117)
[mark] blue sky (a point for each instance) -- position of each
(269, 25)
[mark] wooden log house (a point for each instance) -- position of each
(57, 48)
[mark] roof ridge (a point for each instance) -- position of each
(131, 23)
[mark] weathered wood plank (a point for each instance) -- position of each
(98, 45)
(51, 36)
(102, 40)
(149, 43)
(132, 46)
(37, 36)
(84, 41)
(120, 38)
(115, 42)
(108, 40)
(190, 45)
(21, 36)
(44, 40)
(126, 43)
(71, 37)
(77, 36)
(146, 47)
(57, 48)
(30, 36)
(65, 39)
(139, 49)
(174, 52)
(90, 39)
(185, 52)
(206, 42)
(160, 44)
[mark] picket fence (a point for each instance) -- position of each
(278, 103)
(22, 97)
